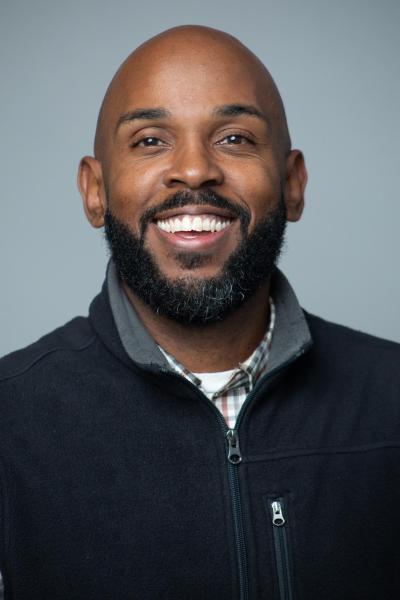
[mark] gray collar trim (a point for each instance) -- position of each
(290, 339)
(292, 336)
(136, 340)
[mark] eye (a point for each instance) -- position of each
(235, 139)
(148, 142)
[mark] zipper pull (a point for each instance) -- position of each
(277, 514)
(234, 455)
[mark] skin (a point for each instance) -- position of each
(192, 72)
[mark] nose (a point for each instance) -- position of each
(193, 166)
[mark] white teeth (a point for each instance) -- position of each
(186, 223)
(197, 224)
(193, 223)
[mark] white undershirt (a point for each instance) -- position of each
(213, 382)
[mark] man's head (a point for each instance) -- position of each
(193, 174)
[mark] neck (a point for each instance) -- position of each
(210, 348)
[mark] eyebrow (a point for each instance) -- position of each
(226, 110)
(237, 110)
(149, 114)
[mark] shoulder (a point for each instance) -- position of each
(333, 332)
(352, 348)
(71, 338)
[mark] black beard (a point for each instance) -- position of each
(193, 300)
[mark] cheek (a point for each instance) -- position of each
(259, 189)
(130, 192)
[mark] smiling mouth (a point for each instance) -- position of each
(209, 223)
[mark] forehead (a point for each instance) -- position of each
(185, 82)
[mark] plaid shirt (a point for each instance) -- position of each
(229, 398)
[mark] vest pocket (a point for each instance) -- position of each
(279, 520)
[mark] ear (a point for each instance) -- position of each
(294, 185)
(91, 187)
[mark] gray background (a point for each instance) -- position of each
(337, 65)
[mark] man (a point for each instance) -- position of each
(198, 436)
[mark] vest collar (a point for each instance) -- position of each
(291, 334)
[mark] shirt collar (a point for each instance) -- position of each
(247, 372)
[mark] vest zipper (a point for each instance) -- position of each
(234, 459)
(234, 454)
(279, 527)
(268, 376)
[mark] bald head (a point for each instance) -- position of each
(192, 129)
(186, 58)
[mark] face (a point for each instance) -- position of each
(185, 130)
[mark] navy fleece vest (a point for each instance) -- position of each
(116, 484)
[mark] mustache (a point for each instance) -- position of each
(202, 197)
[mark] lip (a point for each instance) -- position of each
(194, 209)
(193, 241)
